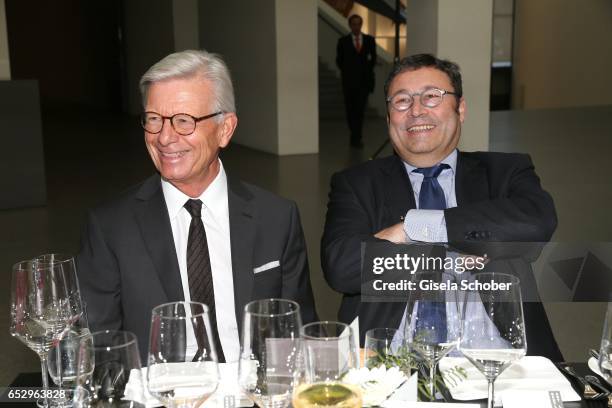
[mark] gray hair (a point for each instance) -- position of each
(189, 63)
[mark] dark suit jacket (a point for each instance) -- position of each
(128, 264)
(357, 68)
(499, 198)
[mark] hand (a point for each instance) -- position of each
(394, 233)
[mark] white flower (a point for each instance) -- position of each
(376, 384)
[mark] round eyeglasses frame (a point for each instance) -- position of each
(172, 119)
(436, 102)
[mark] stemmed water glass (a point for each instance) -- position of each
(493, 333)
(330, 352)
(270, 351)
(45, 302)
(433, 320)
(183, 369)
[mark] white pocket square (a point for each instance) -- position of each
(266, 266)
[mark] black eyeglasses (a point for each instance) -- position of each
(182, 123)
(430, 98)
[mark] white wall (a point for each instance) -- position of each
(562, 53)
(461, 32)
(297, 76)
(5, 65)
(270, 47)
(464, 36)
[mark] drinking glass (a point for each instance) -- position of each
(183, 369)
(45, 302)
(433, 320)
(329, 354)
(385, 346)
(605, 350)
(493, 334)
(270, 351)
(64, 365)
(116, 380)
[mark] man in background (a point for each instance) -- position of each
(192, 231)
(356, 58)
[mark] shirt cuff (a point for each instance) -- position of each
(426, 226)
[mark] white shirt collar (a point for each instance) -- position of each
(451, 160)
(214, 198)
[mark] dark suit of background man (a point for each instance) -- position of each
(356, 58)
(488, 197)
(138, 250)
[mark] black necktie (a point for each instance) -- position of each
(432, 315)
(199, 273)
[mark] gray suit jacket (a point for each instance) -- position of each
(128, 263)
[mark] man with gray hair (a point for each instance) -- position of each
(191, 232)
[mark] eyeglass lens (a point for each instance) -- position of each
(182, 123)
(429, 98)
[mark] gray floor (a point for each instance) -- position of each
(87, 163)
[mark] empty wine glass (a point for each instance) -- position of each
(181, 373)
(116, 380)
(330, 352)
(45, 302)
(270, 351)
(493, 334)
(433, 324)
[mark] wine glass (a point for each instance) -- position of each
(116, 380)
(385, 346)
(433, 323)
(45, 301)
(183, 369)
(605, 349)
(64, 366)
(330, 352)
(493, 334)
(270, 351)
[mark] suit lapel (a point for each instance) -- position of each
(154, 222)
(399, 197)
(242, 237)
(471, 181)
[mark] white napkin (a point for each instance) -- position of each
(355, 328)
(419, 404)
(594, 366)
(531, 373)
(228, 385)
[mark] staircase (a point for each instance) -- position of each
(331, 102)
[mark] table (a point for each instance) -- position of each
(33, 380)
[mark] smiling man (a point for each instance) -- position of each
(192, 231)
(431, 192)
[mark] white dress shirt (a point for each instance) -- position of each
(430, 226)
(215, 216)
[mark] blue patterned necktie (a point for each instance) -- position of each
(431, 315)
(431, 196)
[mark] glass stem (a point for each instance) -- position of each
(432, 373)
(45, 377)
(491, 397)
